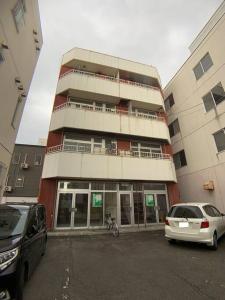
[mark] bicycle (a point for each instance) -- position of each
(112, 225)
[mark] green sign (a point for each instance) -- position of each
(149, 200)
(97, 200)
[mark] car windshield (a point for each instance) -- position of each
(12, 220)
(185, 211)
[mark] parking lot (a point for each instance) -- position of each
(134, 266)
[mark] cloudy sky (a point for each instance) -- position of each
(156, 32)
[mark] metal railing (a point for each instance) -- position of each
(106, 77)
(91, 107)
(86, 148)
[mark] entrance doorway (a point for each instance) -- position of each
(72, 210)
(125, 209)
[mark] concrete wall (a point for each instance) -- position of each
(19, 61)
(70, 117)
(196, 125)
(78, 165)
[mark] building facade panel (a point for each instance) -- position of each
(108, 144)
(200, 109)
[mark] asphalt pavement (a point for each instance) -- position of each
(134, 266)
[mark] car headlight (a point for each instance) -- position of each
(6, 258)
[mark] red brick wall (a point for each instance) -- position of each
(167, 149)
(47, 196)
(173, 193)
(54, 139)
(123, 145)
(59, 99)
(64, 69)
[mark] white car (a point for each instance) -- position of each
(195, 222)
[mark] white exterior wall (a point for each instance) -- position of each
(196, 125)
(19, 61)
(109, 61)
(95, 85)
(79, 165)
(109, 122)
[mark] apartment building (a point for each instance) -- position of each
(23, 179)
(108, 148)
(195, 103)
(20, 44)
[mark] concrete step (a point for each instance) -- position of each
(94, 231)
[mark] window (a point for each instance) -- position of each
(212, 211)
(144, 149)
(18, 14)
(185, 211)
(38, 159)
(19, 181)
(169, 102)
(214, 97)
(174, 128)
(15, 118)
(2, 174)
(179, 159)
(219, 138)
(203, 66)
(16, 158)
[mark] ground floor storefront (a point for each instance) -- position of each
(85, 204)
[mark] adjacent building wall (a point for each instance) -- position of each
(204, 162)
(20, 44)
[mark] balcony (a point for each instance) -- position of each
(90, 117)
(76, 161)
(81, 81)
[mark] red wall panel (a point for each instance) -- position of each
(54, 139)
(47, 196)
(173, 193)
(64, 69)
(123, 145)
(59, 99)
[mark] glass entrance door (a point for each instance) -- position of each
(64, 210)
(72, 210)
(150, 208)
(80, 210)
(125, 209)
(162, 207)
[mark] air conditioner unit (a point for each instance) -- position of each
(8, 188)
(24, 166)
(36, 163)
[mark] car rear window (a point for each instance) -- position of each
(185, 211)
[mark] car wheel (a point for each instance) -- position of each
(44, 247)
(172, 241)
(215, 242)
(20, 284)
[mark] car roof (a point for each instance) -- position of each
(192, 204)
(21, 204)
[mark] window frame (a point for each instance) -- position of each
(16, 182)
(212, 97)
(16, 111)
(221, 130)
(171, 127)
(2, 58)
(36, 162)
(201, 65)
(169, 102)
(19, 8)
(178, 155)
(13, 158)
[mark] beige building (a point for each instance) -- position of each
(20, 44)
(195, 103)
(108, 148)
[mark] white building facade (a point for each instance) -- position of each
(108, 149)
(195, 103)
(20, 44)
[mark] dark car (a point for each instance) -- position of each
(23, 238)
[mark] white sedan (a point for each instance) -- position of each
(195, 222)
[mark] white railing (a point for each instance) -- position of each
(91, 107)
(105, 77)
(86, 148)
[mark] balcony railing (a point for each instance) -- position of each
(90, 107)
(86, 148)
(105, 77)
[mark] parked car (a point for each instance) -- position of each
(195, 222)
(23, 238)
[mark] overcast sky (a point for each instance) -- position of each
(156, 32)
